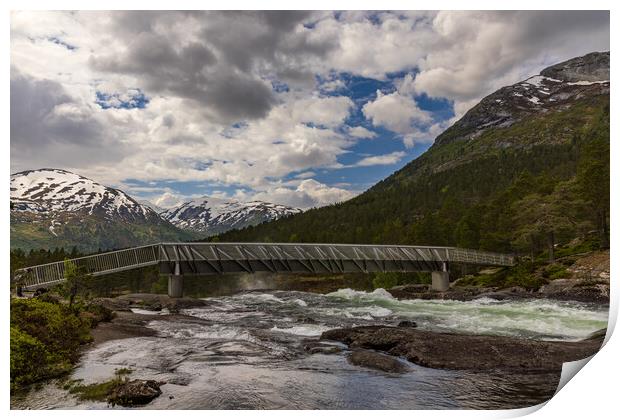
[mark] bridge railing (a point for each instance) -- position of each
(275, 257)
(99, 264)
(470, 256)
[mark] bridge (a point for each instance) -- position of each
(182, 259)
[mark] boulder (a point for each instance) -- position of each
(407, 324)
(135, 392)
(597, 335)
(463, 351)
(379, 361)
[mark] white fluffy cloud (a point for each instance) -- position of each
(395, 112)
(388, 159)
(213, 115)
(308, 193)
(361, 132)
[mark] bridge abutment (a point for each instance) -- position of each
(175, 283)
(440, 279)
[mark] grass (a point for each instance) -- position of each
(97, 391)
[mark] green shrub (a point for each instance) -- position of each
(55, 325)
(93, 313)
(556, 271)
(521, 275)
(45, 339)
(27, 356)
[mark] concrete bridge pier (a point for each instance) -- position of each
(175, 282)
(440, 279)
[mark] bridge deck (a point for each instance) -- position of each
(219, 258)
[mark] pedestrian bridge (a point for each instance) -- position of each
(181, 259)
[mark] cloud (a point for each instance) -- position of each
(395, 112)
(216, 60)
(427, 134)
(333, 85)
(304, 194)
(168, 200)
(49, 127)
(248, 99)
(388, 159)
(309, 193)
(361, 132)
(475, 53)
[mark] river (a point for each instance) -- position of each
(246, 351)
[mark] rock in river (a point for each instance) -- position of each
(375, 360)
(136, 392)
(465, 351)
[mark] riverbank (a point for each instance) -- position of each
(581, 278)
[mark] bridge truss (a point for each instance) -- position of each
(220, 258)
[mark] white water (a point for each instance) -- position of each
(248, 351)
(534, 318)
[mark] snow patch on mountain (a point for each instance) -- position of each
(210, 215)
(49, 191)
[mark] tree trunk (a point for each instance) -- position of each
(72, 297)
(551, 246)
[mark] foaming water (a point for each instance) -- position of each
(533, 318)
(250, 351)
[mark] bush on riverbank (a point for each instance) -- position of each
(521, 275)
(46, 336)
(527, 274)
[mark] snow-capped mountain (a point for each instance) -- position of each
(54, 207)
(45, 191)
(556, 87)
(211, 216)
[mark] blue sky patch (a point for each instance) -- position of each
(133, 98)
(62, 43)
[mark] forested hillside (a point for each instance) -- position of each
(534, 176)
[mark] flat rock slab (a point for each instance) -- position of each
(465, 352)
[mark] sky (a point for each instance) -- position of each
(298, 108)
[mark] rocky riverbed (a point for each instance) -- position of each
(346, 349)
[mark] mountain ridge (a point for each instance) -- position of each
(466, 189)
(57, 208)
(49, 205)
(210, 215)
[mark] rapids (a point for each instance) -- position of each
(246, 351)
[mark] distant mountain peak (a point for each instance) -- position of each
(211, 215)
(593, 67)
(556, 87)
(58, 190)
(58, 208)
